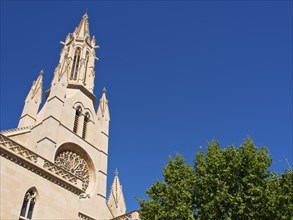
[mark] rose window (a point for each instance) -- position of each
(74, 164)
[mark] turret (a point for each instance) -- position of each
(103, 113)
(32, 103)
(116, 201)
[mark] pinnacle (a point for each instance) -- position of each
(42, 72)
(82, 29)
(85, 15)
(104, 90)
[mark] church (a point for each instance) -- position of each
(54, 164)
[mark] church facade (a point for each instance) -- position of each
(54, 164)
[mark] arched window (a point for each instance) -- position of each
(76, 119)
(28, 205)
(85, 122)
(86, 65)
(75, 64)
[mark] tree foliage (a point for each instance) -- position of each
(225, 183)
(172, 198)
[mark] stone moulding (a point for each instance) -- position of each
(82, 216)
(133, 215)
(26, 129)
(22, 156)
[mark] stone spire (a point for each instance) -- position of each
(116, 200)
(103, 109)
(32, 103)
(82, 31)
(103, 113)
(77, 59)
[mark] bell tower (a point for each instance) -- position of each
(68, 129)
(54, 164)
(77, 58)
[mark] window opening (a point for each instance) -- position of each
(28, 205)
(75, 64)
(76, 119)
(85, 122)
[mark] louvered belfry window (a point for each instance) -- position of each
(85, 123)
(75, 64)
(76, 119)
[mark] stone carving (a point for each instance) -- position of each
(74, 164)
(82, 62)
(60, 172)
(16, 129)
(84, 196)
(33, 162)
(92, 73)
(128, 216)
(82, 216)
(30, 195)
(17, 149)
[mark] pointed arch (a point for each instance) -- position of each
(75, 63)
(85, 123)
(28, 204)
(76, 118)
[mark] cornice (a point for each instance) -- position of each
(125, 216)
(83, 90)
(22, 156)
(83, 216)
(24, 129)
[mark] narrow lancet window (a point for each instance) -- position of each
(85, 122)
(75, 64)
(86, 66)
(28, 205)
(76, 119)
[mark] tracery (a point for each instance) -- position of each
(75, 164)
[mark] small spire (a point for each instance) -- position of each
(32, 103)
(116, 201)
(85, 14)
(103, 109)
(36, 89)
(82, 30)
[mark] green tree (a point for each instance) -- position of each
(280, 190)
(231, 182)
(225, 183)
(173, 198)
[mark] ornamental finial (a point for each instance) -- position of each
(104, 90)
(85, 14)
(116, 172)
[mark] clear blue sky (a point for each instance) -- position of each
(178, 74)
